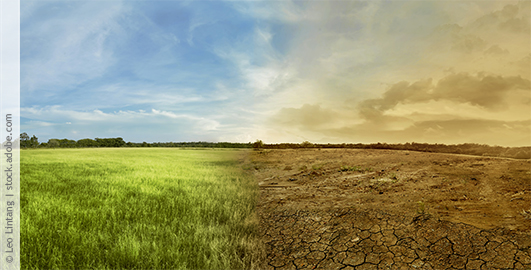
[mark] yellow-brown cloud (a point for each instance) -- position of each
(512, 18)
(486, 91)
(400, 75)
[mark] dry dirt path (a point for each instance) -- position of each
(374, 209)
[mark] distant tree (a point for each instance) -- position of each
(307, 144)
(102, 142)
(86, 143)
(258, 144)
(53, 143)
(34, 142)
(119, 142)
(66, 143)
(24, 140)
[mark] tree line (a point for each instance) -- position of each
(33, 142)
(465, 148)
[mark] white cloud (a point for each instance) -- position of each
(97, 123)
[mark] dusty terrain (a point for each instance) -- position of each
(388, 209)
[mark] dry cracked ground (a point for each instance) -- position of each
(385, 209)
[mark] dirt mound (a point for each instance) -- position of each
(383, 209)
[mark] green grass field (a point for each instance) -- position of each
(147, 208)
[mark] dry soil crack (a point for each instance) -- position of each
(378, 209)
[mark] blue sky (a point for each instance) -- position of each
(280, 71)
(146, 71)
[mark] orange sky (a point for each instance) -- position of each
(424, 71)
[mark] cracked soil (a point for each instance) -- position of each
(388, 209)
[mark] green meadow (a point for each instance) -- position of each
(131, 208)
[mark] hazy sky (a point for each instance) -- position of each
(279, 71)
